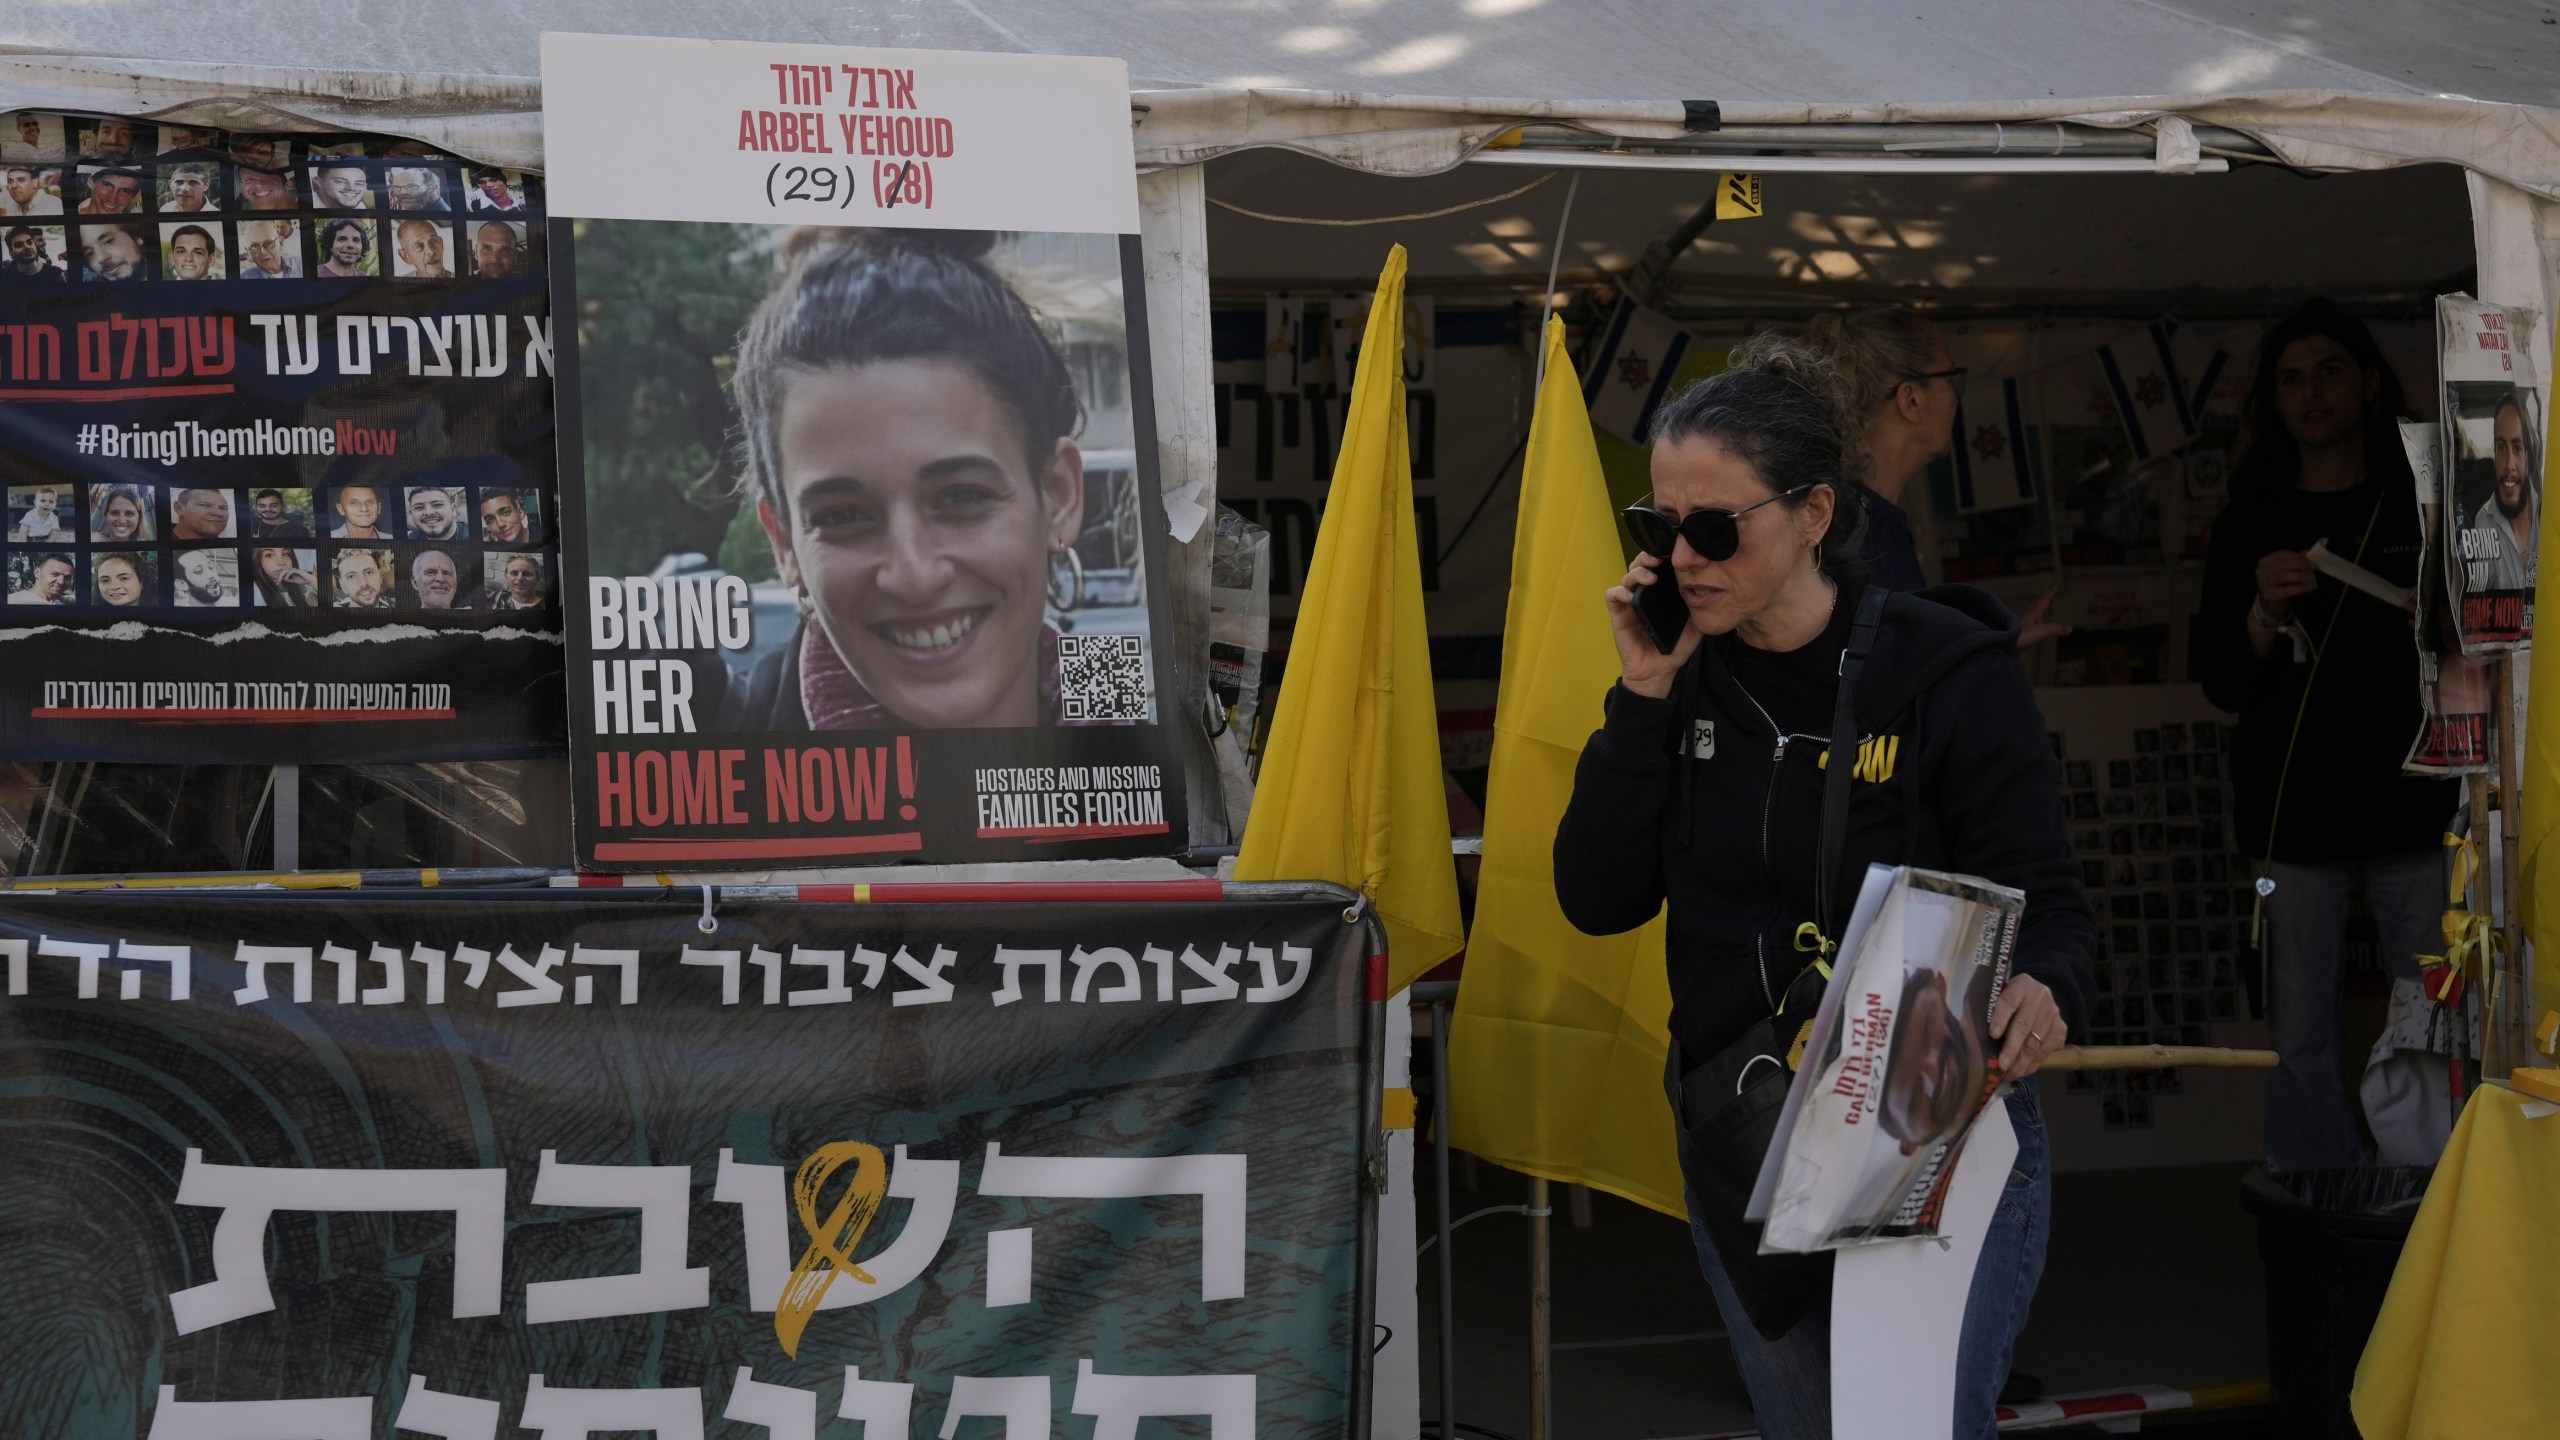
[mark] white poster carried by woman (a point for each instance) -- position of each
(861, 514)
(2491, 471)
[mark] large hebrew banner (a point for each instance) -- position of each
(290, 1167)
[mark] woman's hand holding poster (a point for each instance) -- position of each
(859, 481)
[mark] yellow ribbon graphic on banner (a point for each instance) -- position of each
(831, 1244)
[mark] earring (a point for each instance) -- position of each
(1073, 589)
(800, 598)
(1817, 554)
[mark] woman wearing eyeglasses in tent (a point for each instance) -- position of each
(1706, 789)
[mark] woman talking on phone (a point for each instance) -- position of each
(1706, 789)
(909, 441)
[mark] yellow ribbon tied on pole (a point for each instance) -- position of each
(2471, 944)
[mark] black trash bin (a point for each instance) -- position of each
(2330, 1240)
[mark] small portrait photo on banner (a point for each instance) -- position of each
(37, 255)
(511, 517)
(362, 578)
(42, 515)
(43, 577)
(356, 513)
(280, 513)
(496, 192)
(30, 135)
(266, 189)
(190, 187)
(108, 138)
(29, 189)
(124, 579)
(271, 249)
(189, 139)
(284, 577)
(115, 254)
(113, 190)
(435, 512)
(516, 580)
(271, 153)
(201, 512)
(341, 184)
(419, 187)
(440, 578)
(122, 514)
(421, 249)
(347, 250)
(205, 580)
(497, 247)
(193, 250)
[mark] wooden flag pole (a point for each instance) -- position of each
(2511, 1005)
(2494, 1061)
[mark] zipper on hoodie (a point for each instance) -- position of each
(1768, 807)
(1768, 811)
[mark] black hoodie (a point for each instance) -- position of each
(1723, 822)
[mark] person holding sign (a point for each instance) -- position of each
(1708, 789)
(909, 444)
(2324, 678)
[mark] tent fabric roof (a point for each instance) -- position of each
(2348, 82)
(1817, 50)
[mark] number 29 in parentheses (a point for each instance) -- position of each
(815, 184)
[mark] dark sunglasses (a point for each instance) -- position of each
(1957, 375)
(1714, 534)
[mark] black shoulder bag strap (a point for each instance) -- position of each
(1844, 759)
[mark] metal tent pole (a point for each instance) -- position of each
(288, 803)
(1541, 1383)
(1448, 1357)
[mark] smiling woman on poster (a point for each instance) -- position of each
(908, 428)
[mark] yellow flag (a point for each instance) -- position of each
(1350, 789)
(1555, 1063)
(2539, 829)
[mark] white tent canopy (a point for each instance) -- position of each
(2360, 83)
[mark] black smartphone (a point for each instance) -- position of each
(1659, 606)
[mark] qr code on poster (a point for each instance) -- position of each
(1103, 677)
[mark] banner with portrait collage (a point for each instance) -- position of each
(859, 473)
(449, 1164)
(276, 436)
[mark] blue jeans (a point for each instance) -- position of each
(1790, 1377)
(2309, 1124)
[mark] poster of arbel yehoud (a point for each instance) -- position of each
(858, 469)
(2492, 469)
(1898, 1064)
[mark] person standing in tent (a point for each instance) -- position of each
(1893, 371)
(1705, 789)
(2324, 678)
